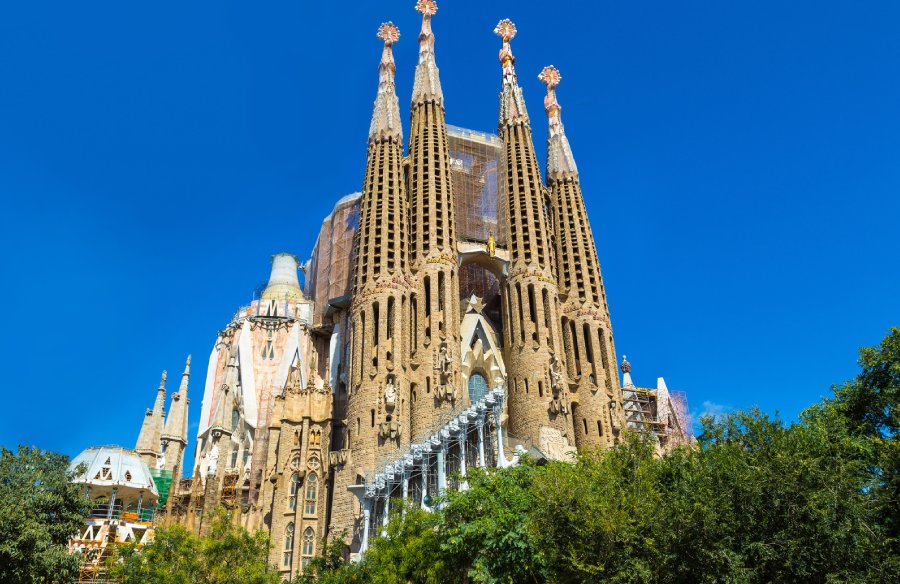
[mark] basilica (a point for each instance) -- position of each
(452, 315)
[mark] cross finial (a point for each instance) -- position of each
(506, 30)
(389, 33)
(426, 7)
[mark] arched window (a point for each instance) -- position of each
(295, 488)
(478, 387)
(288, 545)
(309, 547)
(311, 492)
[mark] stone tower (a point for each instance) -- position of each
(174, 436)
(294, 493)
(586, 330)
(148, 443)
(378, 404)
(434, 306)
(538, 396)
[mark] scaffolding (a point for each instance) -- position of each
(230, 489)
(330, 272)
(659, 412)
(475, 159)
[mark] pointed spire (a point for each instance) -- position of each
(560, 162)
(512, 103)
(427, 83)
(148, 444)
(386, 123)
(176, 421)
(626, 373)
(185, 377)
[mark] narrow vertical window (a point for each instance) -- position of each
(288, 545)
(390, 318)
(309, 547)
(295, 488)
(311, 493)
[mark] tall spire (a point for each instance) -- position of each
(560, 162)
(433, 244)
(176, 421)
(427, 83)
(512, 104)
(386, 117)
(148, 443)
(182, 389)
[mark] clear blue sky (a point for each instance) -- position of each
(740, 164)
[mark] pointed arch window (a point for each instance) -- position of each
(477, 386)
(288, 556)
(309, 547)
(295, 489)
(312, 487)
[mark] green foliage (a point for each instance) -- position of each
(755, 501)
(227, 555)
(40, 509)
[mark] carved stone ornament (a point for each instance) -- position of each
(445, 392)
(295, 462)
(559, 404)
(339, 457)
(444, 363)
(389, 430)
(556, 375)
(313, 463)
(390, 394)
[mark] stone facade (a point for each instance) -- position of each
(457, 296)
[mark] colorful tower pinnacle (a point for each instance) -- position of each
(538, 397)
(148, 442)
(585, 323)
(434, 327)
(378, 404)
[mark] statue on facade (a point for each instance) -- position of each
(445, 363)
(556, 376)
(491, 244)
(212, 462)
(390, 393)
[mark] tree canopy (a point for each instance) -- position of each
(228, 554)
(40, 509)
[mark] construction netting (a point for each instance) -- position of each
(330, 271)
(163, 481)
(478, 200)
(680, 409)
(477, 194)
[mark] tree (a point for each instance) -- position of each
(40, 509)
(227, 555)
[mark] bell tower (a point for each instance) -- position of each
(538, 396)
(378, 405)
(434, 306)
(585, 323)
